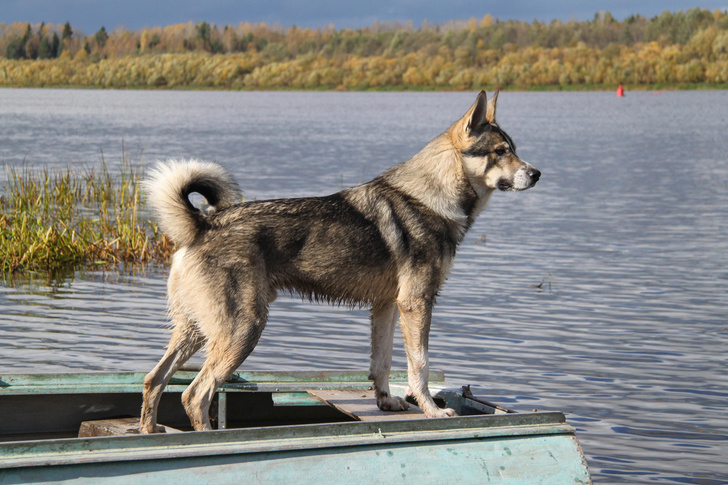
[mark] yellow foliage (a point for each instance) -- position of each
(487, 21)
(144, 40)
(80, 56)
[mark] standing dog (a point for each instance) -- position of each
(388, 244)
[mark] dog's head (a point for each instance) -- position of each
(488, 153)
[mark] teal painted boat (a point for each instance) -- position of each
(273, 427)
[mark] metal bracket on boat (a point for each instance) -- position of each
(222, 410)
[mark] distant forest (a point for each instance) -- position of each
(684, 48)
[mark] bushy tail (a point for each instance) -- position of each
(169, 186)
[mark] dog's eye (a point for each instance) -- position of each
(500, 152)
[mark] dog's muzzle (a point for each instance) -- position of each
(525, 178)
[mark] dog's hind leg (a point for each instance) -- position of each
(185, 341)
(384, 321)
(415, 319)
(231, 344)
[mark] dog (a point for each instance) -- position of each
(387, 244)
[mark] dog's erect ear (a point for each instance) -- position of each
(490, 109)
(477, 114)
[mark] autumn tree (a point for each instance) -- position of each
(101, 37)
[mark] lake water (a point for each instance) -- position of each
(627, 230)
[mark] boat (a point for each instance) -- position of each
(273, 427)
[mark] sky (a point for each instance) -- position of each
(90, 15)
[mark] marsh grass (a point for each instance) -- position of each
(54, 222)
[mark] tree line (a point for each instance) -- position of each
(684, 47)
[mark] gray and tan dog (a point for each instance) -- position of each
(387, 244)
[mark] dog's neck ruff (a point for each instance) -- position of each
(446, 191)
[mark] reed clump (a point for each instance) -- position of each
(55, 221)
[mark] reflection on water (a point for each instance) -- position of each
(601, 292)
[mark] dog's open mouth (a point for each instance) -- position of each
(504, 185)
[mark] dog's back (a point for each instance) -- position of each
(350, 247)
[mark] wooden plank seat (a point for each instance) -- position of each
(114, 427)
(362, 405)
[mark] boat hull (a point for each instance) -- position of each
(503, 448)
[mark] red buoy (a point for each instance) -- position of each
(620, 91)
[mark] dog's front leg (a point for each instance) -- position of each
(415, 319)
(384, 320)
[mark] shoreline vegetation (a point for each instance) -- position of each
(53, 223)
(683, 50)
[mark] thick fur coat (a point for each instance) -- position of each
(388, 244)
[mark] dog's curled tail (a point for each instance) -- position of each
(169, 186)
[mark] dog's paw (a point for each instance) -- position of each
(440, 413)
(152, 429)
(392, 403)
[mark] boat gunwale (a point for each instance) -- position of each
(256, 381)
(183, 377)
(18, 454)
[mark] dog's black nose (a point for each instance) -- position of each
(535, 175)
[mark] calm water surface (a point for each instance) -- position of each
(627, 230)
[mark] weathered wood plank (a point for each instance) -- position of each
(362, 405)
(114, 427)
